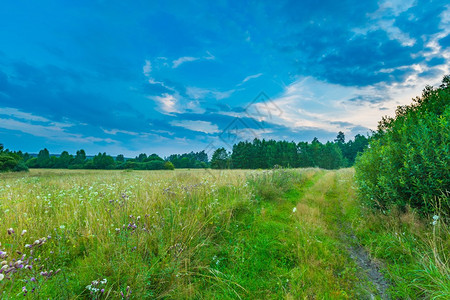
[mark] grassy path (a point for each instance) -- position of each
(325, 213)
(297, 243)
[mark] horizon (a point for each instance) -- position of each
(131, 78)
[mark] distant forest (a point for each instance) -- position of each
(258, 154)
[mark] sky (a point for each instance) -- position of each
(165, 77)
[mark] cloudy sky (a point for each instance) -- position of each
(135, 76)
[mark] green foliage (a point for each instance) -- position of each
(169, 166)
(193, 160)
(11, 161)
(268, 154)
(103, 161)
(408, 163)
(221, 159)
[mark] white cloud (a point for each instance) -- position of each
(177, 62)
(13, 112)
(147, 68)
(200, 93)
(312, 104)
(250, 77)
(50, 131)
(384, 19)
(167, 103)
(200, 126)
(116, 131)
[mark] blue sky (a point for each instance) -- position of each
(134, 76)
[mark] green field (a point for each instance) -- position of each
(210, 234)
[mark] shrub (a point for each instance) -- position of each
(11, 162)
(408, 162)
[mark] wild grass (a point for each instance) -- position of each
(149, 231)
(235, 234)
(415, 251)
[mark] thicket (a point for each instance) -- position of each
(10, 161)
(193, 160)
(408, 160)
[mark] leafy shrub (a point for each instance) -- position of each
(408, 162)
(11, 162)
(21, 166)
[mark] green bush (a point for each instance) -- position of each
(408, 162)
(11, 162)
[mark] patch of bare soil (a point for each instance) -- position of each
(369, 266)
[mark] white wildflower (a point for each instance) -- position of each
(1, 277)
(23, 232)
(435, 219)
(294, 210)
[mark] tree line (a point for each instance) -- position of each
(258, 154)
(100, 161)
(262, 154)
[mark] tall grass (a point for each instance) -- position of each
(198, 234)
(148, 231)
(414, 249)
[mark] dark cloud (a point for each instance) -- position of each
(325, 44)
(373, 99)
(59, 95)
(422, 19)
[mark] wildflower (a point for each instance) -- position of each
(294, 209)
(23, 232)
(10, 231)
(435, 219)
(1, 277)
(33, 279)
(62, 226)
(104, 281)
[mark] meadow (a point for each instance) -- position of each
(211, 234)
